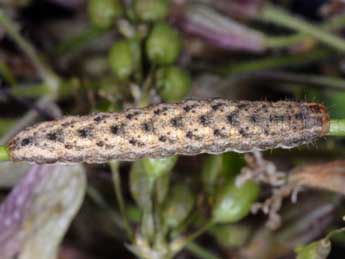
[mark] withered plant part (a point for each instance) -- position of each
(327, 176)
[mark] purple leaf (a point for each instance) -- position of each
(219, 30)
(41, 205)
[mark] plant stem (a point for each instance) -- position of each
(278, 16)
(270, 63)
(145, 91)
(97, 198)
(120, 201)
(337, 127)
(4, 155)
(286, 41)
(6, 73)
(79, 41)
(5, 125)
(333, 83)
(47, 75)
(200, 252)
(181, 243)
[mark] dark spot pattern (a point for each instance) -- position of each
(233, 118)
(204, 120)
(116, 129)
(254, 119)
(243, 132)
(276, 118)
(219, 133)
(162, 139)
(52, 136)
(176, 122)
(189, 107)
(135, 142)
(56, 136)
(147, 126)
(189, 135)
(26, 141)
(100, 143)
(132, 141)
(299, 116)
(160, 110)
(217, 106)
(85, 132)
(100, 118)
(129, 116)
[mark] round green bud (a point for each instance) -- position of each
(103, 13)
(159, 167)
(122, 59)
(231, 235)
(151, 10)
(173, 83)
(178, 205)
(316, 250)
(233, 203)
(163, 44)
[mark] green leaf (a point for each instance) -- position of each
(233, 203)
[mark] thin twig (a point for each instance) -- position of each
(120, 200)
(46, 74)
(4, 154)
(337, 128)
(290, 40)
(200, 251)
(278, 16)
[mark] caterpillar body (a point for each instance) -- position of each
(187, 128)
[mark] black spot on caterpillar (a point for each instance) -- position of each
(187, 128)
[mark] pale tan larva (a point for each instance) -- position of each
(187, 128)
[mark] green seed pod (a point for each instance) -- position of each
(122, 59)
(151, 10)
(162, 187)
(163, 44)
(173, 83)
(178, 205)
(226, 166)
(317, 250)
(233, 203)
(231, 235)
(210, 171)
(158, 167)
(103, 13)
(141, 185)
(232, 164)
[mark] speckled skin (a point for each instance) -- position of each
(187, 128)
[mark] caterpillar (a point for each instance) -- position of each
(187, 128)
